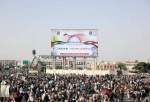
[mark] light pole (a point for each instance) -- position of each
(34, 57)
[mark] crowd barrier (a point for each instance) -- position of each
(87, 72)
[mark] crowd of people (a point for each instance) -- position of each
(75, 88)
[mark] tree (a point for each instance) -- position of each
(1, 67)
(121, 67)
(142, 67)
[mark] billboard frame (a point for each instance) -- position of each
(74, 57)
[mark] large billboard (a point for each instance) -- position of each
(74, 42)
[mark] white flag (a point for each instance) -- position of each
(4, 91)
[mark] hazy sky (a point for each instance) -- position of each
(124, 26)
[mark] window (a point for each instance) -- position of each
(58, 33)
(90, 33)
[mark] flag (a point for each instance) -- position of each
(4, 90)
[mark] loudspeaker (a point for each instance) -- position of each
(33, 52)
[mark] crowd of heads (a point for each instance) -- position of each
(75, 88)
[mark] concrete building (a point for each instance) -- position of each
(7, 62)
(130, 64)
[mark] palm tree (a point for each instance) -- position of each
(121, 67)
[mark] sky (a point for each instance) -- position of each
(124, 26)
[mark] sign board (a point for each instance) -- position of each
(25, 62)
(74, 42)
